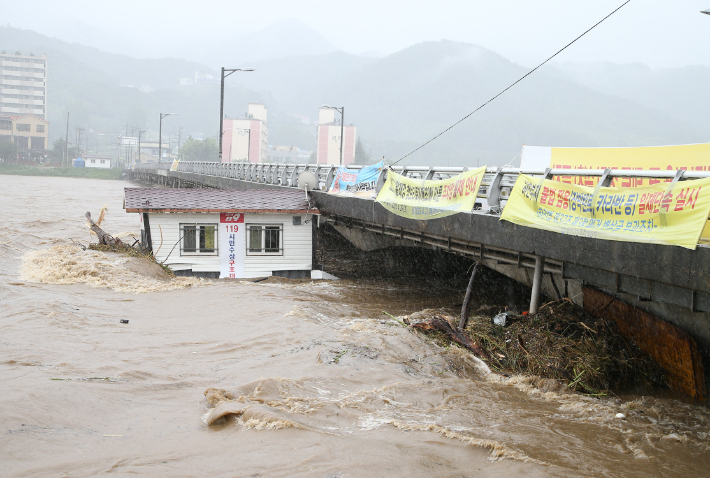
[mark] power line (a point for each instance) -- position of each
(513, 84)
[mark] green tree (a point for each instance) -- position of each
(8, 151)
(361, 156)
(199, 150)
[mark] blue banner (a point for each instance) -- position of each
(353, 182)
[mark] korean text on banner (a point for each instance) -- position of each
(174, 166)
(231, 245)
(353, 182)
(655, 214)
(420, 199)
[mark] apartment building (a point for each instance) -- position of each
(246, 139)
(328, 139)
(23, 85)
(28, 132)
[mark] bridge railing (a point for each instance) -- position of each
(494, 191)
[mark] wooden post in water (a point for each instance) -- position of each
(467, 299)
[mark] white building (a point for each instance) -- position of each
(328, 139)
(97, 161)
(23, 85)
(246, 139)
(227, 233)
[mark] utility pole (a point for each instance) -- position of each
(341, 110)
(139, 144)
(221, 104)
(66, 145)
(160, 135)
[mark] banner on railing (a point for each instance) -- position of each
(174, 166)
(353, 182)
(656, 214)
(691, 157)
(420, 199)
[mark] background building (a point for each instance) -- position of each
(28, 132)
(328, 139)
(246, 139)
(23, 85)
(282, 154)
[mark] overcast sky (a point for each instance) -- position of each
(656, 32)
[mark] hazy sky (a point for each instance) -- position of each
(656, 32)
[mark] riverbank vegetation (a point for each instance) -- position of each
(89, 173)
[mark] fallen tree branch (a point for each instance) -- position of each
(441, 324)
(104, 238)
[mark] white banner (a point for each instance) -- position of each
(231, 245)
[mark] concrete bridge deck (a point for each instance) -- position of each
(666, 281)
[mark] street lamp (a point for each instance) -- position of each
(139, 146)
(160, 135)
(706, 12)
(342, 122)
(228, 72)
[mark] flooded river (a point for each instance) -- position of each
(319, 382)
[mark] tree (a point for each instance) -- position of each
(199, 150)
(361, 156)
(8, 151)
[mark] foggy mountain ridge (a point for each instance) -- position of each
(682, 92)
(122, 69)
(397, 102)
(286, 38)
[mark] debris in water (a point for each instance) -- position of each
(620, 416)
(124, 321)
(501, 319)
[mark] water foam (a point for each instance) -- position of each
(69, 264)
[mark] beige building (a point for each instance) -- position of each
(246, 139)
(23, 85)
(28, 132)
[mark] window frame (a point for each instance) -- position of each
(198, 251)
(263, 227)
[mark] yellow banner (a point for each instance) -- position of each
(654, 214)
(174, 166)
(420, 199)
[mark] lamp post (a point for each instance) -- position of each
(341, 110)
(228, 72)
(139, 146)
(706, 12)
(160, 135)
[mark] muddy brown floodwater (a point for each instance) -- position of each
(319, 382)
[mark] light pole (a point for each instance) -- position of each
(160, 135)
(228, 72)
(342, 123)
(139, 145)
(706, 12)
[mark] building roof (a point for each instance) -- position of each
(216, 200)
(16, 117)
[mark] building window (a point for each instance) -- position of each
(37, 142)
(23, 127)
(198, 239)
(40, 128)
(264, 239)
(22, 142)
(103, 161)
(6, 125)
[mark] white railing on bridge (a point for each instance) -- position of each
(495, 187)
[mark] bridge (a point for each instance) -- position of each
(635, 282)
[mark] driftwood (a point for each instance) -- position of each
(466, 307)
(104, 238)
(440, 323)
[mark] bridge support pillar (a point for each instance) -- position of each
(537, 282)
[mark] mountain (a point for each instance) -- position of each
(401, 101)
(682, 92)
(119, 69)
(398, 102)
(286, 38)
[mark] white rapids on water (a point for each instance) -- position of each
(279, 378)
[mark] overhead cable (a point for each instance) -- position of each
(513, 84)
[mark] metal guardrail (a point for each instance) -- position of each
(495, 187)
